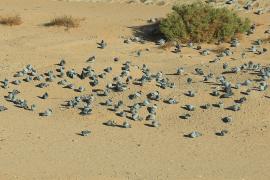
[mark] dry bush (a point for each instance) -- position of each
(11, 20)
(65, 21)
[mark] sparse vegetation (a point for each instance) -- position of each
(65, 21)
(11, 20)
(199, 22)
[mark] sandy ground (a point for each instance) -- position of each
(34, 147)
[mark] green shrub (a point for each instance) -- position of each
(199, 22)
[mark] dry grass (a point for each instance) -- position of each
(65, 21)
(11, 20)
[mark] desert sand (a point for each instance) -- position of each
(35, 147)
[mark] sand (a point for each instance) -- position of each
(34, 147)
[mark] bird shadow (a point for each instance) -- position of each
(40, 97)
(185, 108)
(111, 109)
(182, 117)
(244, 93)
(187, 136)
(116, 125)
(149, 125)
(79, 134)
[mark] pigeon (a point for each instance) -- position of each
(45, 95)
(185, 116)
(235, 42)
(102, 44)
(127, 41)
(108, 69)
(189, 80)
(28, 79)
(219, 104)
(121, 114)
(190, 93)
(215, 93)
(153, 109)
(71, 74)
(39, 77)
(235, 107)
(190, 107)
(62, 62)
(126, 125)
(70, 86)
(5, 83)
(155, 123)
(241, 100)
(151, 117)
(18, 74)
(171, 101)
(91, 59)
(194, 134)
(225, 66)
(145, 102)
(48, 112)
(110, 123)
(43, 85)
(179, 71)
(33, 107)
(206, 106)
(161, 42)
(108, 102)
(227, 119)
(136, 117)
(62, 82)
(85, 133)
(222, 132)
(21, 103)
(205, 52)
(116, 59)
(16, 82)
(199, 71)
(86, 111)
(154, 96)
(135, 95)
(81, 89)
(3, 108)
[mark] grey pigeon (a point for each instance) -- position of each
(126, 125)
(194, 134)
(48, 112)
(3, 108)
(85, 133)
